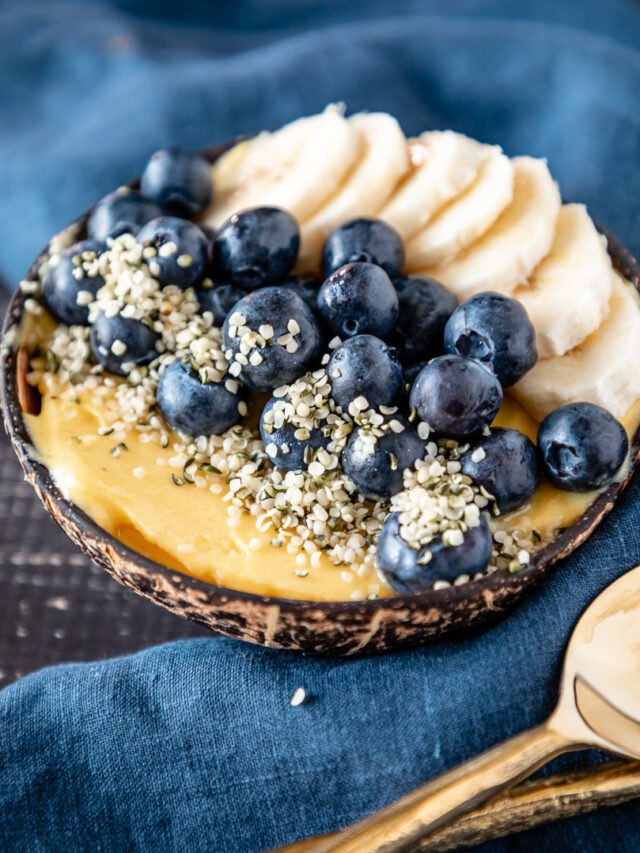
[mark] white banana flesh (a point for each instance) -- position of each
(444, 164)
(604, 369)
(297, 167)
(467, 217)
(568, 295)
(384, 161)
(508, 253)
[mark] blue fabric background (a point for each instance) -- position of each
(194, 746)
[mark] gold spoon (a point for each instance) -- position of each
(599, 706)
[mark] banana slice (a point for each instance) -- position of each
(507, 254)
(568, 295)
(467, 217)
(604, 369)
(444, 164)
(384, 161)
(297, 167)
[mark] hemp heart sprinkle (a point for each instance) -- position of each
(312, 512)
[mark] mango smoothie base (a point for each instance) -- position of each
(357, 459)
(137, 491)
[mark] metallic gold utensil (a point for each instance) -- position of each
(527, 805)
(599, 706)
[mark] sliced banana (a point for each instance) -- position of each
(508, 253)
(568, 295)
(604, 369)
(384, 161)
(444, 164)
(297, 167)
(467, 217)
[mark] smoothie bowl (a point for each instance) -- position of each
(329, 389)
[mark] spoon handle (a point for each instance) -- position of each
(461, 789)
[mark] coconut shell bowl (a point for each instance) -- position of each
(331, 628)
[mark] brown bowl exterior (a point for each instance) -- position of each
(329, 628)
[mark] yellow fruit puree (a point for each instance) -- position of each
(133, 497)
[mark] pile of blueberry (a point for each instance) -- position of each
(406, 350)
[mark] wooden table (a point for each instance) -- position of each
(55, 605)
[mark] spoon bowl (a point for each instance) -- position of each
(600, 693)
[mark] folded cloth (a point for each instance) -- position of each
(195, 745)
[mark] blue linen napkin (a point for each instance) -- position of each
(194, 745)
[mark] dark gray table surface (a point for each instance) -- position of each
(55, 605)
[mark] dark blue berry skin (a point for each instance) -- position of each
(139, 339)
(425, 307)
(292, 459)
(257, 247)
(61, 287)
(509, 470)
(456, 396)
(190, 241)
(306, 287)
(495, 330)
(365, 366)
(399, 564)
(194, 407)
(179, 180)
(219, 300)
(121, 213)
(276, 306)
(364, 239)
(582, 447)
(359, 299)
(378, 475)
(210, 237)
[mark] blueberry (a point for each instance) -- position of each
(195, 407)
(184, 260)
(269, 363)
(495, 330)
(121, 213)
(582, 447)
(456, 396)
(364, 239)
(505, 463)
(306, 287)
(179, 180)
(209, 234)
(118, 342)
(378, 474)
(425, 307)
(365, 366)
(257, 247)
(359, 299)
(219, 300)
(400, 564)
(281, 445)
(62, 287)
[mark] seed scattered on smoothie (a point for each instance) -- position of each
(478, 455)
(148, 324)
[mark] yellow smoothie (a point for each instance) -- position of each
(132, 496)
